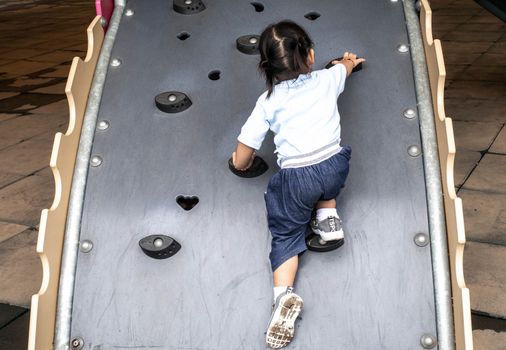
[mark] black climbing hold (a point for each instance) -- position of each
(159, 246)
(258, 6)
(316, 244)
(312, 15)
(183, 36)
(248, 44)
(356, 69)
(188, 7)
(214, 75)
(172, 102)
(187, 202)
(258, 167)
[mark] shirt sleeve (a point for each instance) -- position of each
(254, 130)
(339, 74)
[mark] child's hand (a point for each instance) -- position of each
(234, 161)
(353, 58)
(350, 61)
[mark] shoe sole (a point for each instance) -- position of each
(313, 243)
(281, 331)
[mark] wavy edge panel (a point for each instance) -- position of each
(453, 204)
(52, 221)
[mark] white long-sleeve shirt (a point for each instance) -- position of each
(303, 115)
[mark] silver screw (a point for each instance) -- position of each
(253, 40)
(188, 2)
(115, 62)
(421, 239)
(96, 161)
(86, 246)
(103, 125)
(428, 341)
(158, 242)
(409, 113)
(77, 343)
(172, 98)
(129, 12)
(414, 151)
(103, 22)
(403, 48)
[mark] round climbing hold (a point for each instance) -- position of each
(159, 246)
(248, 44)
(258, 167)
(315, 243)
(214, 75)
(188, 7)
(172, 102)
(355, 69)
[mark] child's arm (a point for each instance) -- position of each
(350, 61)
(243, 156)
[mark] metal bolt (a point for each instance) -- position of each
(77, 343)
(403, 48)
(414, 151)
(103, 125)
(172, 98)
(421, 239)
(115, 62)
(253, 40)
(158, 242)
(96, 161)
(188, 2)
(409, 113)
(394, 0)
(103, 22)
(86, 246)
(129, 12)
(428, 341)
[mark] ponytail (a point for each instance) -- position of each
(284, 52)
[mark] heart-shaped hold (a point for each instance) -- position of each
(187, 202)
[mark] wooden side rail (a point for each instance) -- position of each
(453, 204)
(52, 221)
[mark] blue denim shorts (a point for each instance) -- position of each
(291, 197)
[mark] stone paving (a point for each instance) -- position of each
(38, 39)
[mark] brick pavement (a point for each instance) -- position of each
(37, 42)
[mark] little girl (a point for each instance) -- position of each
(300, 107)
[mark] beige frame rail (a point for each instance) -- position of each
(52, 221)
(452, 204)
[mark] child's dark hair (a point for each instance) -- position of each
(284, 51)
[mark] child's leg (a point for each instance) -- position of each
(331, 203)
(284, 276)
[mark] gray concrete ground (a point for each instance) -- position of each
(38, 39)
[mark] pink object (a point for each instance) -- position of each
(104, 8)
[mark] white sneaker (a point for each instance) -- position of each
(329, 229)
(284, 313)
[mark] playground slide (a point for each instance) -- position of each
(166, 248)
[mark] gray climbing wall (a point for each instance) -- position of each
(375, 292)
